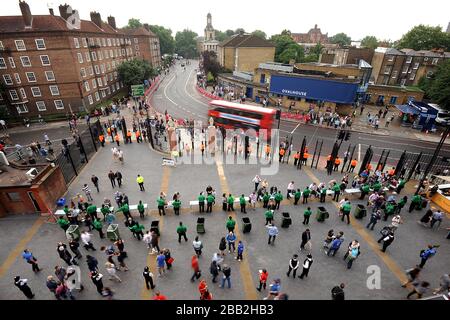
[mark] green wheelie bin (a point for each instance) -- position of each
(73, 232)
(112, 233)
(360, 211)
(201, 225)
(322, 214)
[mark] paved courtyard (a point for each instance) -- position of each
(19, 232)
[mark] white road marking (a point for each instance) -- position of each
(165, 91)
(296, 128)
(359, 152)
(185, 90)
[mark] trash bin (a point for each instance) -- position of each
(112, 232)
(286, 221)
(73, 232)
(360, 211)
(200, 225)
(247, 226)
(155, 227)
(322, 214)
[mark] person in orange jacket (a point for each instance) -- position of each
(263, 275)
(129, 136)
(195, 268)
(296, 158)
(117, 139)
(101, 138)
(202, 287)
(353, 165)
(138, 136)
(159, 296)
(282, 152)
(337, 162)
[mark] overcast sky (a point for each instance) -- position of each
(357, 18)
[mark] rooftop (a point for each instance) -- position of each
(246, 40)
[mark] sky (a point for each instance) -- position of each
(356, 18)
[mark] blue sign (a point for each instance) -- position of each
(314, 89)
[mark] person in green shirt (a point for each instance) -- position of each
(209, 202)
(141, 209)
(377, 186)
(104, 210)
(63, 223)
(323, 194)
(161, 203)
(401, 204)
(306, 194)
(337, 191)
(306, 216)
(230, 201)
(92, 211)
(278, 199)
(125, 209)
(98, 225)
(364, 191)
(269, 217)
(66, 210)
(297, 196)
(230, 224)
(137, 230)
(266, 198)
(242, 202)
(181, 230)
(416, 201)
(346, 208)
(201, 202)
(401, 185)
(389, 210)
(176, 206)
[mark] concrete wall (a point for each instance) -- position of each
(250, 58)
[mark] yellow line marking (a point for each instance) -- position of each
(398, 271)
(151, 258)
(15, 253)
(244, 267)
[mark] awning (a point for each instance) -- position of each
(404, 108)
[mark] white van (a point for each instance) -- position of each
(443, 116)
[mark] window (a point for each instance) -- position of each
(88, 56)
(13, 95)
(108, 65)
(416, 66)
(110, 77)
(104, 42)
(90, 99)
(31, 76)
(14, 196)
(394, 74)
(17, 77)
(22, 108)
(409, 60)
(84, 42)
(99, 43)
(106, 54)
(94, 83)
(113, 88)
(59, 104)
(76, 42)
(91, 41)
(387, 69)
(97, 69)
(136, 40)
(41, 105)
(83, 72)
(23, 93)
(111, 53)
(413, 75)
(102, 67)
(94, 56)
(86, 86)
(45, 60)
(36, 92)
(113, 64)
(105, 80)
(54, 90)
(97, 96)
(435, 61)
(2, 63)
(136, 47)
(103, 93)
(100, 55)
(390, 58)
(117, 86)
(100, 82)
(123, 52)
(91, 71)
(1, 45)
(80, 57)
(11, 62)
(25, 61)
(8, 79)
(20, 45)
(109, 42)
(40, 44)
(50, 75)
(137, 53)
(405, 69)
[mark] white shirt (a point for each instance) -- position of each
(147, 238)
(291, 186)
(395, 221)
(196, 244)
(86, 238)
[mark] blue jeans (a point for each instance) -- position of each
(228, 280)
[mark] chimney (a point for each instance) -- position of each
(63, 11)
(51, 11)
(26, 14)
(112, 22)
(96, 18)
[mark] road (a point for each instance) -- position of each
(177, 95)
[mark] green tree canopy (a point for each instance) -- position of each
(210, 63)
(286, 49)
(437, 87)
(166, 41)
(134, 23)
(220, 36)
(260, 34)
(135, 72)
(239, 30)
(286, 32)
(229, 33)
(423, 37)
(341, 39)
(369, 42)
(185, 43)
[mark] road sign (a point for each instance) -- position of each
(137, 90)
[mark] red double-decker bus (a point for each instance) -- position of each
(230, 115)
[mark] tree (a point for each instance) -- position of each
(210, 63)
(423, 37)
(317, 49)
(239, 30)
(341, 39)
(166, 41)
(185, 43)
(229, 33)
(135, 72)
(286, 48)
(286, 32)
(260, 34)
(134, 23)
(220, 36)
(437, 86)
(370, 42)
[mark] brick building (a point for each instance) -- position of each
(51, 65)
(244, 52)
(349, 55)
(314, 35)
(146, 45)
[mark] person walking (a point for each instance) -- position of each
(92, 263)
(374, 217)
(154, 241)
(148, 278)
(161, 204)
(198, 246)
(413, 276)
(28, 256)
(196, 268)
(346, 209)
(240, 251)
(112, 178)
(243, 203)
(352, 253)
(427, 254)
(231, 241)
(98, 225)
(444, 285)
(256, 180)
(140, 182)
(230, 201)
(306, 266)
(274, 289)
(293, 265)
(290, 189)
(94, 180)
(297, 196)
(336, 244)
(420, 289)
(226, 271)
(64, 254)
(306, 237)
(169, 259)
(161, 263)
(269, 217)
(86, 239)
(307, 214)
(87, 192)
(74, 247)
(51, 284)
(96, 278)
(111, 269)
(210, 199)
(387, 240)
(273, 232)
(230, 224)
(337, 292)
(263, 276)
(306, 194)
(119, 177)
(337, 191)
(278, 199)
(223, 246)
(181, 231)
(214, 270)
(22, 284)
